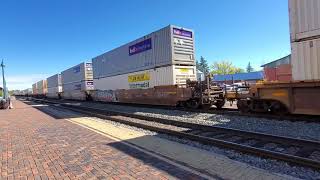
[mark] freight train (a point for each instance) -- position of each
(159, 69)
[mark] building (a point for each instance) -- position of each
(250, 78)
(278, 70)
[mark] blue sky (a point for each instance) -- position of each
(39, 38)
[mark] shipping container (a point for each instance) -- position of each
(54, 92)
(34, 89)
(80, 72)
(306, 60)
(54, 81)
(42, 87)
(171, 45)
(78, 86)
(304, 19)
(169, 75)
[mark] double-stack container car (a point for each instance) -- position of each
(153, 68)
(34, 89)
(77, 82)
(42, 88)
(54, 86)
(301, 95)
(305, 39)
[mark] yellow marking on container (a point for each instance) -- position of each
(139, 77)
(184, 70)
(280, 94)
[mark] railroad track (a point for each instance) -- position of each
(300, 152)
(223, 111)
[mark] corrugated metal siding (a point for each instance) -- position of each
(54, 81)
(183, 49)
(169, 75)
(304, 19)
(42, 87)
(306, 60)
(55, 90)
(119, 61)
(34, 89)
(75, 86)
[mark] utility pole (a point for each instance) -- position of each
(4, 90)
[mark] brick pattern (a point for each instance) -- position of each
(34, 145)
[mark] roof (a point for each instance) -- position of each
(258, 75)
(275, 63)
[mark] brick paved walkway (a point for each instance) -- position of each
(34, 145)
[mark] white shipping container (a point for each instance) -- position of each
(53, 92)
(54, 81)
(42, 87)
(304, 19)
(80, 72)
(169, 75)
(171, 45)
(305, 60)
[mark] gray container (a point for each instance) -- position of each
(171, 45)
(54, 81)
(78, 86)
(78, 73)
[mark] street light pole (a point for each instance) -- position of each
(4, 88)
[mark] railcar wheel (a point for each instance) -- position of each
(220, 104)
(194, 104)
(279, 109)
(243, 106)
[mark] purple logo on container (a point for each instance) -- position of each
(181, 32)
(140, 47)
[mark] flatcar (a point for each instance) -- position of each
(280, 98)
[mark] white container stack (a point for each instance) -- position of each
(305, 39)
(54, 86)
(76, 81)
(164, 57)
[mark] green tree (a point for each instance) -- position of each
(249, 68)
(203, 65)
(225, 67)
(0, 92)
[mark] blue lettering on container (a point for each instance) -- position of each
(140, 47)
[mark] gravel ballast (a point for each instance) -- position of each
(297, 129)
(267, 164)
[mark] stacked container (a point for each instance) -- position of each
(42, 88)
(164, 57)
(305, 39)
(34, 89)
(54, 86)
(77, 81)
